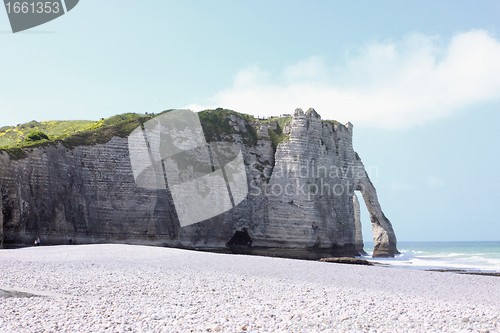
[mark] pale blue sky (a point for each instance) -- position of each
(419, 80)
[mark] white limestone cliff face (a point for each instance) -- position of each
(311, 191)
(300, 195)
(357, 222)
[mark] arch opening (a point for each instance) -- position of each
(364, 232)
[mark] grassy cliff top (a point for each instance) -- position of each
(11, 135)
(72, 133)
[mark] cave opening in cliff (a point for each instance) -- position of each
(240, 238)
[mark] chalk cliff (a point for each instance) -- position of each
(302, 173)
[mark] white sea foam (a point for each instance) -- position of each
(466, 256)
(452, 261)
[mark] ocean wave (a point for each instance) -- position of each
(455, 260)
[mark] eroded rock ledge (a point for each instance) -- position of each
(302, 175)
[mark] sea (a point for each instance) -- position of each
(470, 257)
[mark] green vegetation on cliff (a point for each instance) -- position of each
(105, 129)
(277, 135)
(216, 125)
(36, 136)
(11, 136)
(333, 122)
(69, 133)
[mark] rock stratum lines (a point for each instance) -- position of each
(302, 174)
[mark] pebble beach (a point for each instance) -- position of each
(130, 288)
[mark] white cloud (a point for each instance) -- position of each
(384, 84)
(435, 182)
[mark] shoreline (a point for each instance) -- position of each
(301, 254)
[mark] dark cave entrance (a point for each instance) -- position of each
(240, 239)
